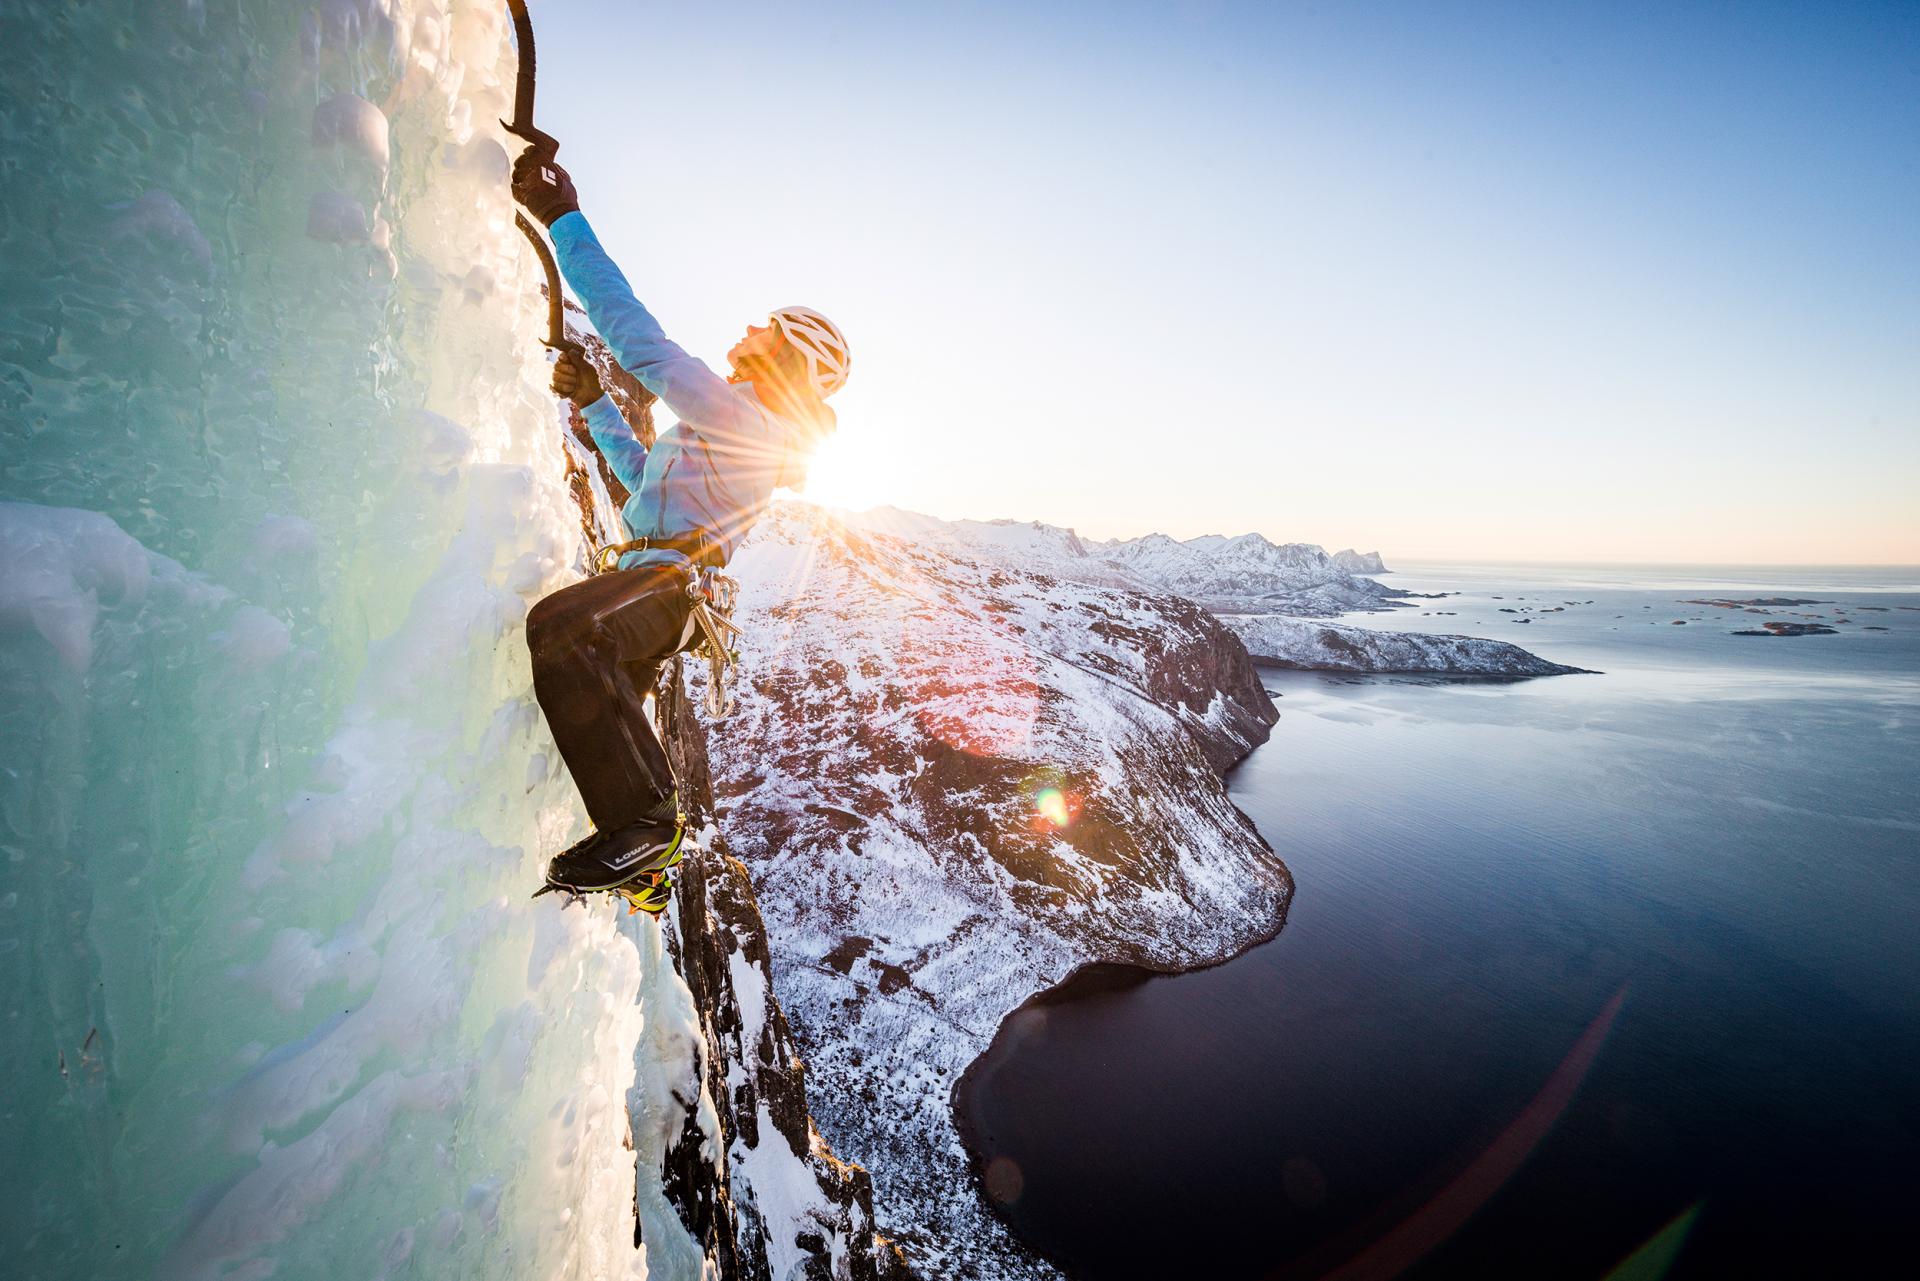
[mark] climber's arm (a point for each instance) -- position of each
(617, 443)
(683, 382)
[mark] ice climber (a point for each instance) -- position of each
(598, 645)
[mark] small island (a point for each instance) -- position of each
(1757, 600)
(1789, 629)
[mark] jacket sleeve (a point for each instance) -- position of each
(618, 445)
(695, 394)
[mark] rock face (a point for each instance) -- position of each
(721, 1118)
(1293, 642)
(954, 781)
(747, 1170)
(1359, 562)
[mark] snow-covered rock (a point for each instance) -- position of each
(1295, 642)
(955, 780)
(1029, 545)
(1249, 573)
(746, 1170)
(1359, 562)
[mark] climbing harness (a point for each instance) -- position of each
(697, 547)
(546, 146)
(711, 596)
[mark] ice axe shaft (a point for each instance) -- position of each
(546, 146)
(556, 310)
(521, 126)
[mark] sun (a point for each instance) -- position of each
(849, 471)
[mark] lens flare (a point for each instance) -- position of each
(1051, 804)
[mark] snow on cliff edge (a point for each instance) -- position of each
(954, 781)
(1295, 642)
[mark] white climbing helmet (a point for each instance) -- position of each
(820, 339)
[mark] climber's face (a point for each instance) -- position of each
(759, 346)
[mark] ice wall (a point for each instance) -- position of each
(279, 480)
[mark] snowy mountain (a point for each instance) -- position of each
(1249, 573)
(955, 780)
(723, 1122)
(1259, 589)
(1295, 642)
(1025, 544)
(1359, 562)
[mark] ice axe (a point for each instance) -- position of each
(546, 147)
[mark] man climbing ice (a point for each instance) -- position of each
(598, 645)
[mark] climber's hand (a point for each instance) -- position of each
(543, 186)
(575, 379)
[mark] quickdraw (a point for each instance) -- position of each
(714, 595)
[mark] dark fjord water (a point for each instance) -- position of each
(1578, 971)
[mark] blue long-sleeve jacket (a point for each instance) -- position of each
(716, 468)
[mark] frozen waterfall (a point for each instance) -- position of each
(280, 480)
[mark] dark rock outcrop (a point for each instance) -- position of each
(752, 1076)
(1724, 603)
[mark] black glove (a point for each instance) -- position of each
(576, 380)
(543, 187)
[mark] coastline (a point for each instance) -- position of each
(1071, 1099)
(1087, 979)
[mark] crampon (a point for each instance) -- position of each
(632, 862)
(647, 893)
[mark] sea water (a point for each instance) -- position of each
(1579, 969)
(279, 478)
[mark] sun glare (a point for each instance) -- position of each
(848, 472)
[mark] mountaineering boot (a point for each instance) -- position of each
(608, 860)
(649, 894)
(667, 810)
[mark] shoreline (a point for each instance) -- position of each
(1090, 978)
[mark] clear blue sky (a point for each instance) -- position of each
(1618, 281)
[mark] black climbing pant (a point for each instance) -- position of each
(597, 650)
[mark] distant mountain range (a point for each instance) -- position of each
(1248, 573)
